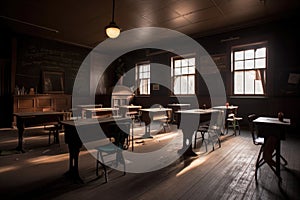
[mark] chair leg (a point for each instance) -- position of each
(49, 139)
(258, 160)
(203, 140)
(195, 139)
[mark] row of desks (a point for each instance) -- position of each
(189, 121)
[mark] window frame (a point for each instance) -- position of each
(137, 78)
(173, 59)
(245, 47)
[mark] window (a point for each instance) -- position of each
(249, 64)
(183, 76)
(143, 78)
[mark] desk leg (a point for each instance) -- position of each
(187, 150)
(278, 153)
(73, 172)
(147, 131)
(20, 138)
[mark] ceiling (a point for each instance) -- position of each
(82, 22)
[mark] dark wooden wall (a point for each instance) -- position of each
(33, 55)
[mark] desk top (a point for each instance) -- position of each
(90, 106)
(272, 120)
(93, 121)
(197, 111)
(130, 106)
(179, 105)
(28, 114)
(155, 109)
(100, 109)
(225, 107)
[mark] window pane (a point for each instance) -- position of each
(249, 54)
(259, 87)
(143, 86)
(184, 62)
(177, 71)
(249, 82)
(239, 65)
(238, 83)
(249, 64)
(260, 63)
(147, 75)
(183, 87)
(191, 61)
(260, 52)
(239, 55)
(177, 63)
(185, 70)
(192, 70)
(191, 85)
(177, 85)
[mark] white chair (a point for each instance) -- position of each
(216, 127)
(213, 130)
(233, 122)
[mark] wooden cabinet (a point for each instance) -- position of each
(35, 103)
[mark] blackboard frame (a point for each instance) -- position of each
(53, 82)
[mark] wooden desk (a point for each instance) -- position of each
(31, 119)
(189, 121)
(152, 114)
(101, 112)
(128, 110)
(177, 106)
(82, 108)
(268, 126)
(74, 141)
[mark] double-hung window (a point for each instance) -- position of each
(249, 64)
(183, 75)
(143, 78)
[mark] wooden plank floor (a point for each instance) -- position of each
(226, 173)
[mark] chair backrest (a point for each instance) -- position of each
(120, 133)
(231, 115)
(252, 126)
(217, 121)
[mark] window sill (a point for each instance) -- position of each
(248, 97)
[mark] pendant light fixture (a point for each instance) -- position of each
(112, 30)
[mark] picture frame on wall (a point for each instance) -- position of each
(53, 82)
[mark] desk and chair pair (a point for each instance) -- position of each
(268, 132)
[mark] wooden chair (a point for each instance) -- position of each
(213, 130)
(119, 142)
(203, 128)
(53, 128)
(233, 122)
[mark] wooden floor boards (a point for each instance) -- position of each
(225, 173)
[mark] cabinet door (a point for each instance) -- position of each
(24, 104)
(44, 104)
(62, 103)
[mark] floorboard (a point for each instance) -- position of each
(225, 173)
